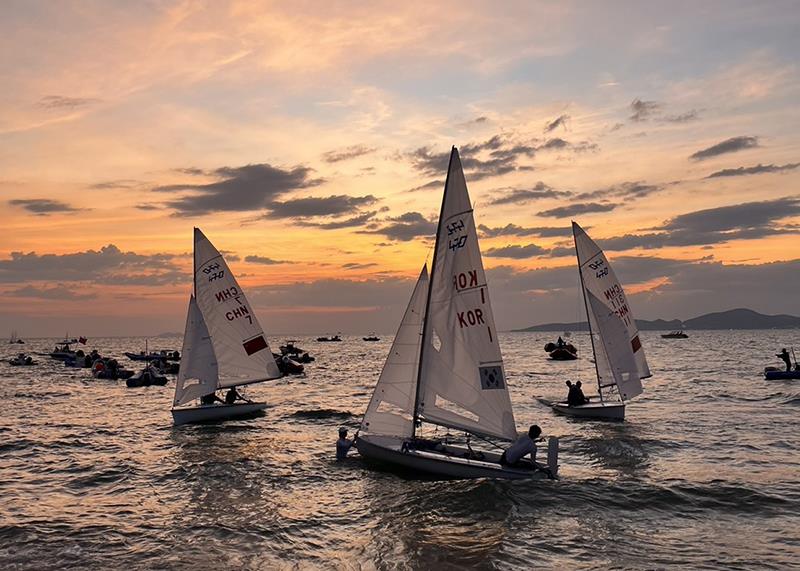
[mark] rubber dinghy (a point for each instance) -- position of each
(444, 367)
(223, 344)
(620, 362)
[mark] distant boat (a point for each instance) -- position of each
(620, 363)
(223, 344)
(63, 350)
(22, 360)
(675, 335)
(149, 375)
(329, 339)
(444, 367)
(15, 339)
(561, 351)
(371, 337)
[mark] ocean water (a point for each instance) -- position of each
(704, 473)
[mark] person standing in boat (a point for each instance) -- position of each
(524, 445)
(343, 445)
(784, 354)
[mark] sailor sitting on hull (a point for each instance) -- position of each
(525, 444)
(343, 445)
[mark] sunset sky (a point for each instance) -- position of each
(309, 142)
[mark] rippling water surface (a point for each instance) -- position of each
(704, 473)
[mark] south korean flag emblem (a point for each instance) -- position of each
(492, 377)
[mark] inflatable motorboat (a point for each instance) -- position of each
(775, 374)
(146, 377)
(562, 351)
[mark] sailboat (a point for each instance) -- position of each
(14, 339)
(620, 362)
(223, 344)
(445, 367)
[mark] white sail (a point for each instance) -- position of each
(243, 354)
(462, 383)
(599, 278)
(397, 384)
(613, 344)
(198, 373)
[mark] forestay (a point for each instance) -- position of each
(599, 279)
(243, 354)
(462, 383)
(397, 383)
(198, 373)
(617, 363)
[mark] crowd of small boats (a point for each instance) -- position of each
(444, 368)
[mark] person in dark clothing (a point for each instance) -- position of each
(210, 398)
(232, 396)
(572, 395)
(580, 398)
(560, 342)
(784, 354)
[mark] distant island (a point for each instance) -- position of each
(732, 319)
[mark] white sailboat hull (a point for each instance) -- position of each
(216, 412)
(390, 452)
(597, 410)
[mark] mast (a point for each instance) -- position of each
(194, 263)
(588, 317)
(415, 417)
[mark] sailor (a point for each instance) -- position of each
(232, 396)
(580, 398)
(560, 342)
(343, 445)
(573, 398)
(525, 444)
(784, 354)
(210, 398)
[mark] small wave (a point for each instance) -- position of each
(15, 445)
(794, 401)
(323, 413)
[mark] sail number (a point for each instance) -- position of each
(459, 242)
(616, 296)
(600, 268)
(239, 312)
(213, 272)
(464, 280)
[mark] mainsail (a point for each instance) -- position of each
(462, 383)
(242, 352)
(391, 409)
(611, 319)
(198, 373)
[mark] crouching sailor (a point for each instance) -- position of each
(343, 445)
(525, 444)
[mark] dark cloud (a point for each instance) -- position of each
(148, 207)
(62, 102)
(123, 184)
(516, 251)
(746, 221)
(686, 117)
(264, 261)
(42, 206)
(358, 266)
(559, 144)
(758, 169)
(560, 121)
(523, 196)
(193, 171)
(107, 265)
(250, 187)
(644, 110)
(578, 208)
(405, 227)
(514, 230)
(335, 205)
(59, 292)
(731, 145)
(353, 222)
(634, 189)
(561, 251)
(347, 153)
(438, 183)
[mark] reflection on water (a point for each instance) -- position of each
(93, 475)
